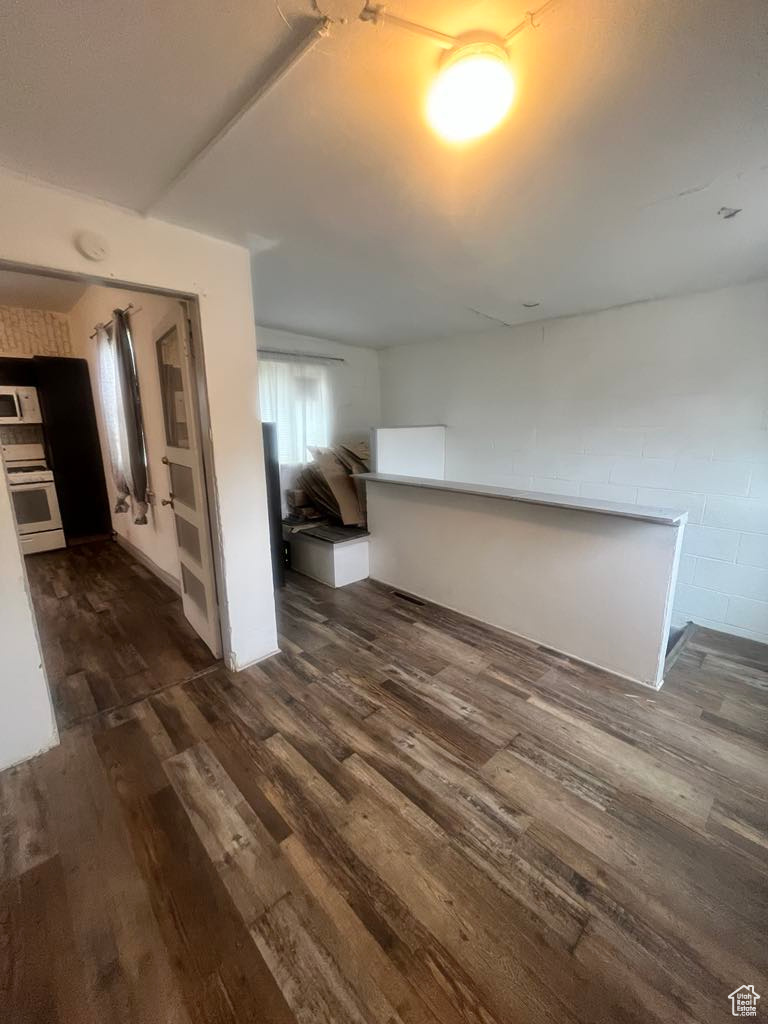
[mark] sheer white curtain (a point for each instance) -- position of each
(112, 398)
(296, 395)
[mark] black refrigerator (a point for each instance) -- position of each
(274, 504)
(72, 445)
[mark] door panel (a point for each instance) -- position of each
(170, 355)
(188, 538)
(186, 481)
(183, 485)
(194, 588)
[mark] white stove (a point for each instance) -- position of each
(33, 493)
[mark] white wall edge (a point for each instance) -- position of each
(671, 587)
(29, 757)
(522, 636)
(235, 667)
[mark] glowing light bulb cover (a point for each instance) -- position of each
(472, 93)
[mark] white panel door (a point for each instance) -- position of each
(186, 480)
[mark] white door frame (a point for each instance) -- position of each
(203, 418)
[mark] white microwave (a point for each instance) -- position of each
(19, 405)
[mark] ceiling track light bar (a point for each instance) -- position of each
(371, 13)
(378, 14)
(531, 20)
(317, 31)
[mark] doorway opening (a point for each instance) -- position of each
(124, 578)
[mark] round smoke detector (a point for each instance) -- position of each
(92, 246)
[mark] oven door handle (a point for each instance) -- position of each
(19, 406)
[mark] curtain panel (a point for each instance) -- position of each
(121, 411)
(296, 396)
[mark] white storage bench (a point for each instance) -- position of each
(334, 555)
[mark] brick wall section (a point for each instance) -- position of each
(33, 332)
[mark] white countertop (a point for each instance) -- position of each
(646, 513)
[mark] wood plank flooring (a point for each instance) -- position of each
(111, 631)
(404, 817)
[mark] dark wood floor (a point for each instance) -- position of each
(111, 631)
(403, 817)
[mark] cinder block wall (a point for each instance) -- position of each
(657, 403)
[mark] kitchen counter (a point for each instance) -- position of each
(647, 513)
(591, 579)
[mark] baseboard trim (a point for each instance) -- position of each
(257, 661)
(733, 636)
(54, 742)
(146, 561)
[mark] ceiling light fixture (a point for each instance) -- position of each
(474, 87)
(472, 93)
(470, 96)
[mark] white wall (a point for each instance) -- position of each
(157, 539)
(27, 724)
(39, 227)
(659, 403)
(355, 382)
(409, 451)
(554, 575)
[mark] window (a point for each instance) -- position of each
(295, 395)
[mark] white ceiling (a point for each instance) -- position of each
(635, 123)
(36, 291)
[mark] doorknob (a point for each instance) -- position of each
(164, 460)
(167, 501)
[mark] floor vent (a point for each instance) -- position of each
(408, 597)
